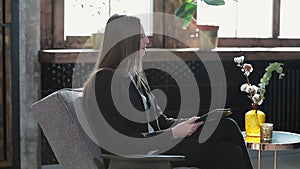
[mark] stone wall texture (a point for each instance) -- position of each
(29, 31)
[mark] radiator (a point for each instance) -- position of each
(282, 104)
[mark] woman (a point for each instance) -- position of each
(126, 102)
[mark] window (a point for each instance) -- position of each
(242, 19)
(289, 26)
(82, 18)
(245, 23)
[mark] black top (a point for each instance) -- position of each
(128, 100)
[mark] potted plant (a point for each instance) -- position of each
(256, 93)
(208, 34)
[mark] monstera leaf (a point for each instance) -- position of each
(214, 2)
(187, 9)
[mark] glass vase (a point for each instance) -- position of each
(253, 119)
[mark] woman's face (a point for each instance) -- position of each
(143, 42)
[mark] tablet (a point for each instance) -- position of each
(225, 112)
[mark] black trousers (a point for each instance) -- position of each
(224, 149)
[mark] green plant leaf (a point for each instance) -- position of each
(261, 91)
(279, 70)
(214, 2)
(186, 11)
(267, 75)
(275, 66)
(187, 22)
(267, 82)
(281, 76)
(262, 85)
(263, 80)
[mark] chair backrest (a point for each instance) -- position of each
(71, 145)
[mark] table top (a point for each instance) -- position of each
(281, 140)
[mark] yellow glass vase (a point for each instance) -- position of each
(253, 119)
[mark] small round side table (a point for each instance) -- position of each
(281, 141)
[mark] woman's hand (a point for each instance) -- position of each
(186, 128)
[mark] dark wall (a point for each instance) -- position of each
(282, 96)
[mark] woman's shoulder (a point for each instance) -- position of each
(105, 70)
(108, 78)
(104, 73)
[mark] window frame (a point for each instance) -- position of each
(52, 29)
(274, 41)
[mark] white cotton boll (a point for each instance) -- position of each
(256, 99)
(235, 60)
(239, 60)
(242, 58)
(244, 87)
(248, 69)
(248, 89)
(253, 89)
(247, 73)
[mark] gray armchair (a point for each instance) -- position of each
(71, 145)
(58, 120)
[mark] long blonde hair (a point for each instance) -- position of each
(120, 48)
(121, 39)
